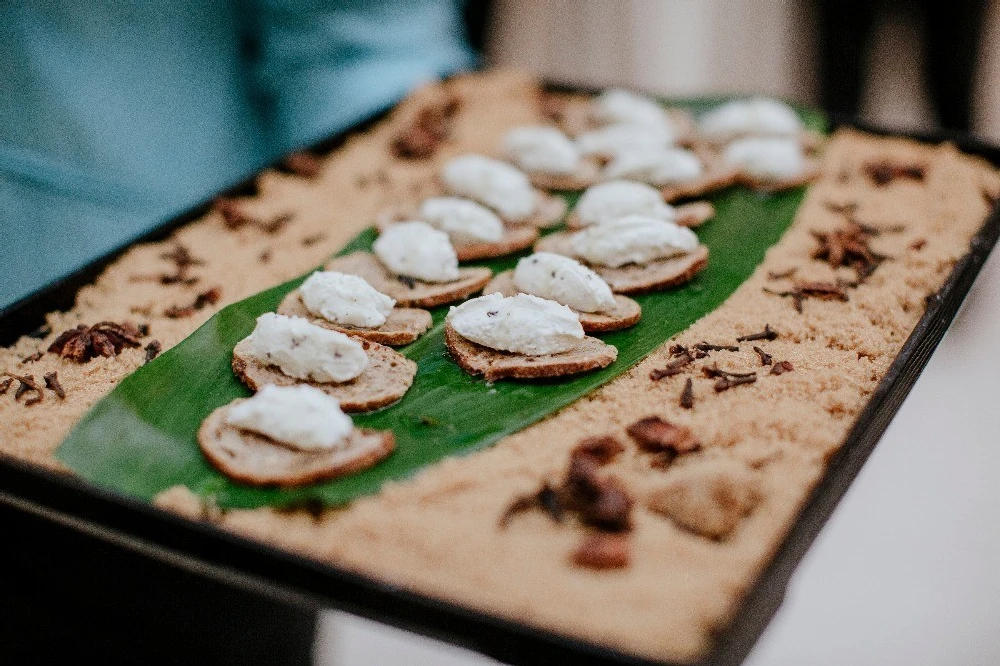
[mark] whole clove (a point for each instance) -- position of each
(672, 368)
(767, 334)
(52, 383)
(5, 385)
(27, 384)
(706, 347)
(33, 357)
(687, 395)
(726, 383)
(713, 371)
(765, 358)
(781, 367)
(153, 350)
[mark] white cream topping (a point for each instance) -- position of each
(523, 324)
(303, 417)
(766, 158)
(541, 149)
(623, 107)
(464, 221)
(618, 198)
(614, 139)
(345, 299)
(758, 116)
(493, 183)
(633, 239)
(563, 280)
(417, 250)
(303, 350)
(660, 167)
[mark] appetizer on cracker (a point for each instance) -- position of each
(618, 108)
(770, 164)
(503, 188)
(523, 337)
(634, 254)
(346, 303)
(475, 231)
(551, 160)
(566, 281)
(615, 199)
(289, 436)
(416, 265)
(289, 351)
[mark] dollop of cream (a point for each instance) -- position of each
(493, 183)
(616, 106)
(541, 149)
(522, 324)
(302, 417)
(345, 299)
(766, 158)
(754, 117)
(614, 139)
(660, 167)
(563, 280)
(416, 249)
(609, 201)
(633, 239)
(463, 220)
(305, 351)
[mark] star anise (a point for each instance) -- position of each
(848, 246)
(105, 338)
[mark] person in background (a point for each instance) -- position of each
(115, 115)
(952, 33)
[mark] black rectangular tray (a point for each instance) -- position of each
(178, 543)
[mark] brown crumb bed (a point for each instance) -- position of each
(437, 533)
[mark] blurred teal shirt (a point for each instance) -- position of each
(117, 114)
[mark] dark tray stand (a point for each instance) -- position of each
(278, 574)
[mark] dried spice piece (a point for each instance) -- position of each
(105, 338)
(918, 244)
(234, 216)
(848, 246)
(713, 371)
(706, 347)
(5, 385)
(52, 383)
(546, 498)
(309, 241)
(429, 129)
(781, 275)
(883, 172)
(781, 367)
(603, 551)
(33, 357)
(726, 383)
(303, 163)
(202, 300)
(265, 256)
(822, 290)
(767, 334)
(845, 208)
(674, 367)
(687, 395)
(27, 384)
(765, 358)
(667, 440)
(678, 350)
(153, 350)
(604, 448)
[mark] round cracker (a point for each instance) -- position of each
(402, 326)
(590, 354)
(406, 292)
(387, 378)
(625, 314)
(256, 460)
(516, 238)
(588, 173)
(635, 278)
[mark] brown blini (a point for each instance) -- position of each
(586, 174)
(408, 292)
(589, 354)
(515, 238)
(387, 378)
(626, 312)
(402, 326)
(256, 460)
(635, 278)
(691, 215)
(811, 173)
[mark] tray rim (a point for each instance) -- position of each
(265, 568)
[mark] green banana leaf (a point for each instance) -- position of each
(140, 439)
